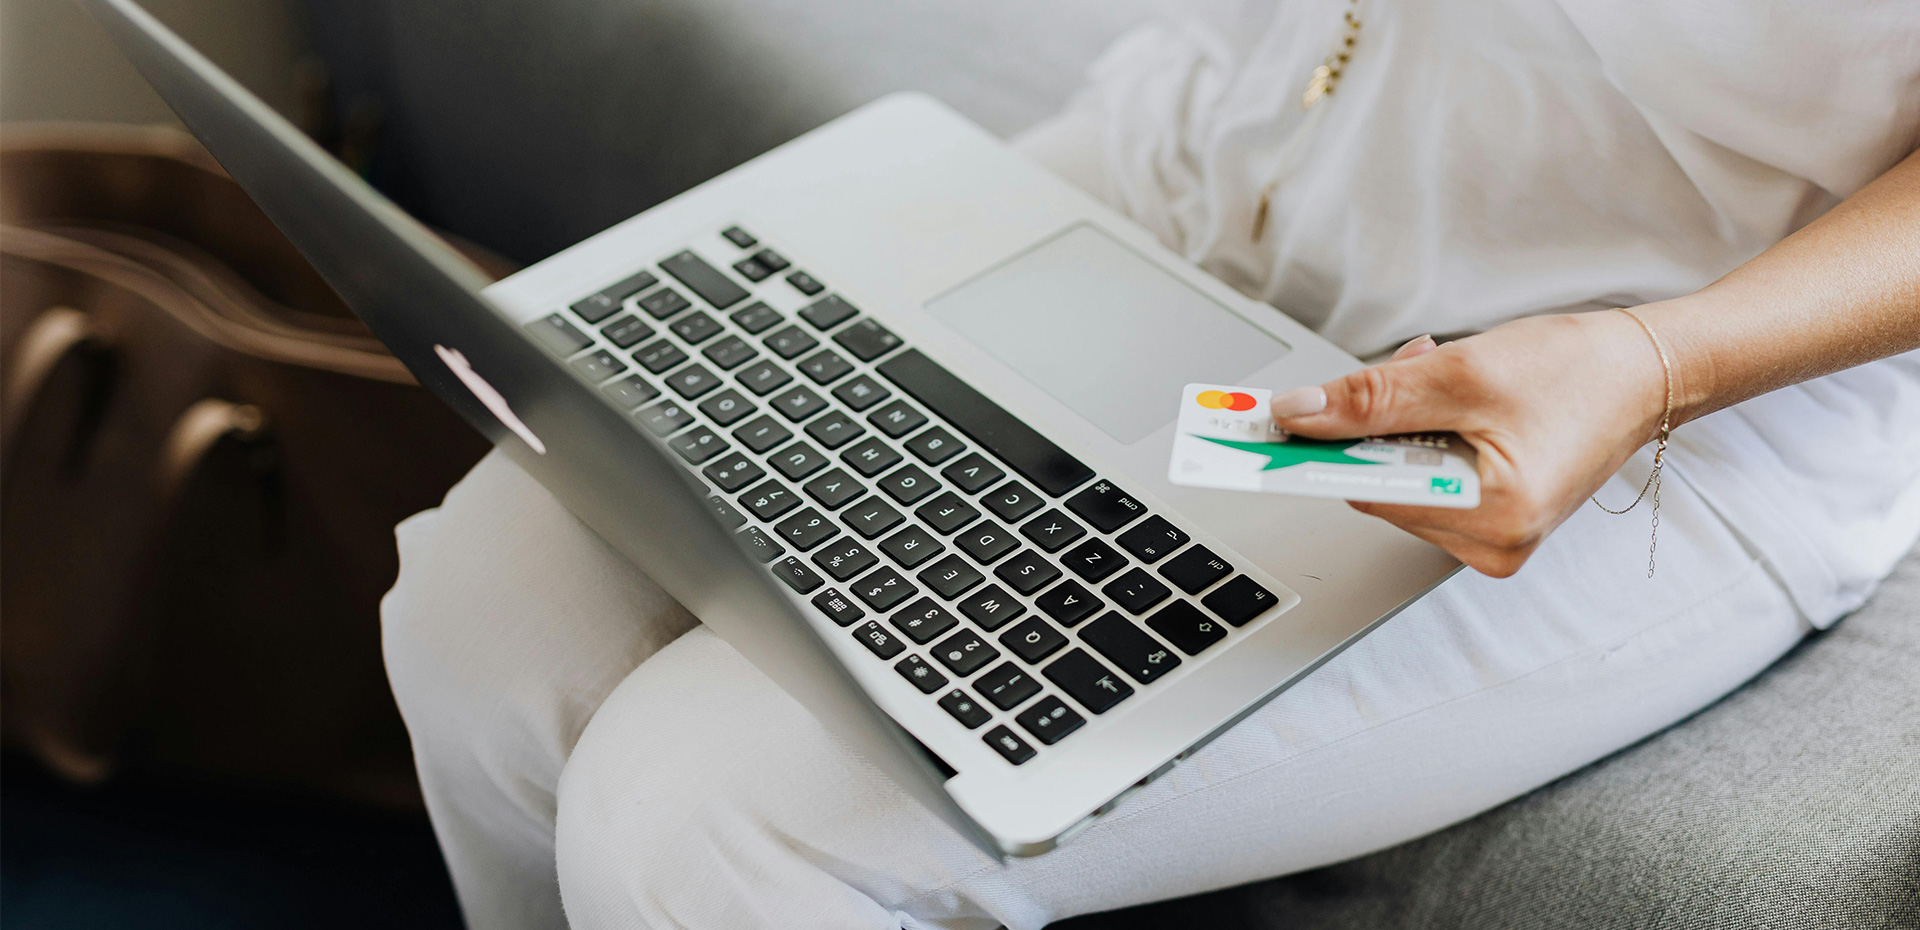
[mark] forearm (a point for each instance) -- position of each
(1843, 291)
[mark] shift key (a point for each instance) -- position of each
(1139, 655)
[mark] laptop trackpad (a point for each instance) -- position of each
(1104, 330)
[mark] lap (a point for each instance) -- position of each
(702, 793)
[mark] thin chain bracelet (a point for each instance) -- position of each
(1659, 448)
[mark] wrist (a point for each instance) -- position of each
(1678, 324)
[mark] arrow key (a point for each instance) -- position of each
(1084, 679)
(1186, 627)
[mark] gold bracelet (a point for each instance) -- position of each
(1660, 443)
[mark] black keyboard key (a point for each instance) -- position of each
(875, 637)
(951, 577)
(992, 608)
(1152, 540)
(835, 429)
(1052, 530)
(965, 709)
(739, 237)
(693, 382)
(825, 366)
(1069, 603)
(1007, 686)
(627, 331)
(695, 328)
(602, 305)
(763, 378)
(769, 500)
(844, 558)
(796, 574)
(908, 484)
(1193, 570)
(1034, 639)
(861, 393)
(947, 513)
(1239, 601)
(759, 545)
(883, 588)
(1084, 679)
(704, 279)
(923, 619)
(1009, 746)
(828, 312)
(762, 433)
(659, 356)
(664, 417)
(925, 677)
(973, 473)
(1010, 440)
(1011, 501)
(965, 652)
(806, 529)
(752, 270)
(771, 259)
(871, 517)
(664, 303)
(1105, 507)
(558, 336)
(697, 444)
(797, 461)
(1136, 591)
(630, 391)
(1027, 572)
(730, 353)
(912, 546)
(727, 407)
(598, 365)
(805, 283)
(834, 489)
(1127, 646)
(724, 512)
(734, 472)
(934, 446)
(838, 607)
(756, 318)
(1050, 720)
(897, 419)
(986, 542)
(871, 457)
(1094, 560)
(798, 403)
(868, 340)
(1186, 627)
(790, 341)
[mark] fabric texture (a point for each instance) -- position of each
(1794, 802)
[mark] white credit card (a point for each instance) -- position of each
(1226, 439)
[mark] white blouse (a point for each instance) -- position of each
(1486, 160)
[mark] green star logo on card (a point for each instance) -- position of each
(1297, 451)
(1444, 485)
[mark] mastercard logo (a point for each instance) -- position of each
(1221, 400)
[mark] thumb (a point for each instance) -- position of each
(1404, 396)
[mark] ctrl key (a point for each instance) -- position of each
(1006, 744)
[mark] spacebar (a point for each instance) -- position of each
(1032, 455)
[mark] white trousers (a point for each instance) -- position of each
(581, 739)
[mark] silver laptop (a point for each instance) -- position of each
(890, 409)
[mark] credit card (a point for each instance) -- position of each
(1226, 439)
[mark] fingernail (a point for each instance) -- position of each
(1299, 402)
(1416, 346)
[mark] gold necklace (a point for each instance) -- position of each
(1325, 80)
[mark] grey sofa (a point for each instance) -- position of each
(529, 125)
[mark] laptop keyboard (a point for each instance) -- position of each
(991, 569)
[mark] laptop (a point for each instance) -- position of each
(890, 409)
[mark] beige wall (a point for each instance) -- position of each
(56, 64)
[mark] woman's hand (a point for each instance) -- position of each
(1552, 404)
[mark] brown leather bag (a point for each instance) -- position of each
(202, 458)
